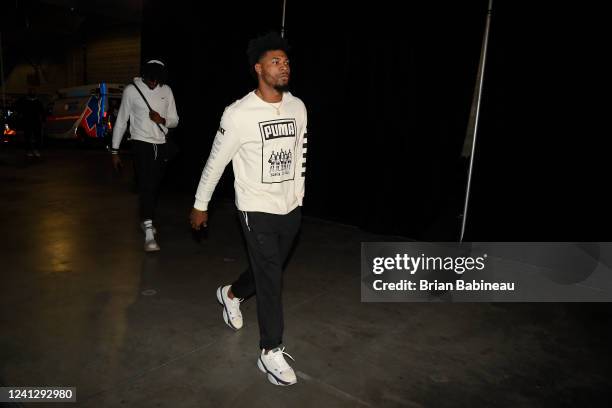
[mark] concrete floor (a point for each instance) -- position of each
(81, 305)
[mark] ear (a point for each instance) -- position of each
(258, 68)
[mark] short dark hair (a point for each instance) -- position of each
(259, 46)
(155, 71)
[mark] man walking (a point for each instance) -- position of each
(149, 106)
(268, 196)
(33, 114)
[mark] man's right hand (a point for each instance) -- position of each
(198, 219)
(117, 165)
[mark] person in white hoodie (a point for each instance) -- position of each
(149, 123)
(264, 135)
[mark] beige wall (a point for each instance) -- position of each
(113, 57)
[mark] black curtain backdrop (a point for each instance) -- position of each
(541, 169)
(388, 87)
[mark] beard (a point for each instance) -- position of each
(282, 88)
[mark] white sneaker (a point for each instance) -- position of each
(36, 153)
(142, 226)
(231, 308)
(151, 246)
(274, 364)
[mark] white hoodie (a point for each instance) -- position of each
(134, 108)
(268, 153)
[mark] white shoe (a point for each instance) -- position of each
(274, 364)
(36, 153)
(151, 246)
(231, 308)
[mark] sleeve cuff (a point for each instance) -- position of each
(200, 205)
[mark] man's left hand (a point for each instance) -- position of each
(155, 117)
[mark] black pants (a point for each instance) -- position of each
(150, 165)
(269, 239)
(32, 135)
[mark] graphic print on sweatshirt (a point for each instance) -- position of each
(278, 150)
